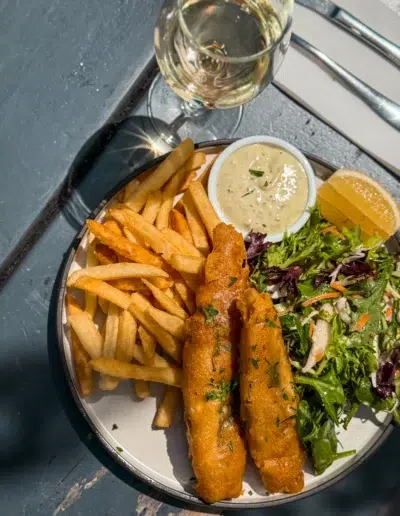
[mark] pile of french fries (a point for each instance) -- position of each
(144, 262)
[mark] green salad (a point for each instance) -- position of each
(338, 299)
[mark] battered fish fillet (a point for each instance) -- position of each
(216, 444)
(268, 400)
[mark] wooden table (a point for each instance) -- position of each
(72, 74)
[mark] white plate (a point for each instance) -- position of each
(160, 457)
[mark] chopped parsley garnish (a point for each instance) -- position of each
(230, 446)
(209, 313)
(114, 427)
(254, 347)
(250, 493)
(232, 280)
(256, 173)
(278, 421)
(270, 323)
(265, 438)
(119, 449)
(248, 193)
(285, 396)
(221, 390)
(254, 361)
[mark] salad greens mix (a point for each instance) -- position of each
(338, 299)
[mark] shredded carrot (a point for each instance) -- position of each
(389, 313)
(311, 328)
(321, 297)
(338, 286)
(388, 294)
(362, 321)
(334, 230)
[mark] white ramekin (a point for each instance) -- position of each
(312, 190)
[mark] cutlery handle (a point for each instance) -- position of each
(387, 48)
(384, 107)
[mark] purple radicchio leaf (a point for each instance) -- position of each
(385, 375)
(284, 278)
(357, 268)
(255, 244)
(322, 277)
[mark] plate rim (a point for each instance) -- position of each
(61, 288)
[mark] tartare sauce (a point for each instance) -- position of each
(262, 188)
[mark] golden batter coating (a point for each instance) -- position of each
(268, 399)
(210, 371)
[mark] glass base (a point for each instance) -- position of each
(174, 119)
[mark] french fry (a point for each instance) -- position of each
(188, 181)
(136, 239)
(106, 382)
(112, 225)
(206, 173)
(73, 305)
(196, 226)
(127, 329)
(179, 243)
(105, 255)
(167, 375)
(169, 304)
(148, 344)
(103, 304)
(121, 245)
(158, 360)
(147, 231)
(116, 271)
(130, 188)
(179, 206)
(162, 220)
(172, 324)
(171, 345)
(186, 295)
(188, 264)
(142, 389)
(128, 284)
(171, 189)
(179, 224)
(161, 175)
(104, 290)
(152, 206)
(204, 207)
(91, 299)
(167, 409)
(87, 333)
(83, 371)
(170, 292)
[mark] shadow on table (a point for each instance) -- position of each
(110, 161)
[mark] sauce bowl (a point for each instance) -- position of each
(275, 142)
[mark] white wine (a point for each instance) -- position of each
(220, 53)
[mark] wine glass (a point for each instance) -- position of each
(214, 55)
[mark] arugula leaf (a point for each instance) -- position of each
(324, 448)
(209, 313)
(329, 389)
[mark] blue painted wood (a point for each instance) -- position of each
(49, 461)
(65, 69)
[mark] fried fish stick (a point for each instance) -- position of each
(268, 400)
(210, 371)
